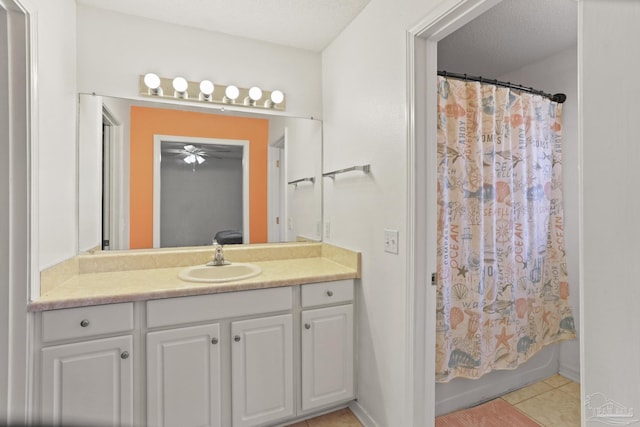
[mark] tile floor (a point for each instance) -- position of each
(554, 402)
(341, 418)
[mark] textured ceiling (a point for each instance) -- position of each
(305, 24)
(509, 36)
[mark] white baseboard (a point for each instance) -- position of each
(362, 415)
(571, 372)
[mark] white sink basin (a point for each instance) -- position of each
(222, 273)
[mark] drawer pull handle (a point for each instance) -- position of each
(329, 293)
(214, 341)
(124, 355)
(84, 323)
(236, 338)
(307, 325)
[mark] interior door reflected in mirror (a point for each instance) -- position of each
(157, 175)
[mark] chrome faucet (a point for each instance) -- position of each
(218, 258)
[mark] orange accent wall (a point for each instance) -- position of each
(147, 122)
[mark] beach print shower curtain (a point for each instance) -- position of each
(502, 289)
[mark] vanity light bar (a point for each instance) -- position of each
(205, 91)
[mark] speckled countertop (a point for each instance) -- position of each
(119, 276)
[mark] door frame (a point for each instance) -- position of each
(422, 52)
(157, 191)
(19, 216)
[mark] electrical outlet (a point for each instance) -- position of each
(391, 241)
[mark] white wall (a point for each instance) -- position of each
(115, 49)
(559, 73)
(89, 172)
(57, 99)
(304, 160)
(365, 122)
(196, 204)
(609, 90)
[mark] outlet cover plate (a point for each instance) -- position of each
(391, 241)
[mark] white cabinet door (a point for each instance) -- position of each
(327, 356)
(183, 377)
(88, 383)
(262, 370)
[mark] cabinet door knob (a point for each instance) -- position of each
(124, 355)
(84, 323)
(329, 293)
(236, 338)
(307, 325)
(214, 341)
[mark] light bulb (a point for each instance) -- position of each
(152, 81)
(206, 87)
(232, 92)
(255, 93)
(180, 84)
(190, 159)
(200, 159)
(277, 97)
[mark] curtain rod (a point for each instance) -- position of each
(558, 97)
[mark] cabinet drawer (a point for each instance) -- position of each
(200, 308)
(82, 322)
(327, 293)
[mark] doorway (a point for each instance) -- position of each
(424, 41)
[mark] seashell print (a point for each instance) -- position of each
(459, 358)
(547, 190)
(455, 111)
(503, 192)
(568, 324)
(521, 307)
(460, 290)
(456, 316)
(516, 120)
(473, 323)
(525, 343)
(556, 127)
(564, 290)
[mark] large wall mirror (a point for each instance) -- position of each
(156, 174)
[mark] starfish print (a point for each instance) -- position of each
(462, 271)
(503, 338)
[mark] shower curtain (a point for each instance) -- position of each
(502, 289)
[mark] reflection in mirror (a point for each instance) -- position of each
(163, 175)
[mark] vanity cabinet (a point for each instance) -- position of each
(235, 359)
(262, 370)
(327, 342)
(88, 381)
(249, 334)
(183, 377)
